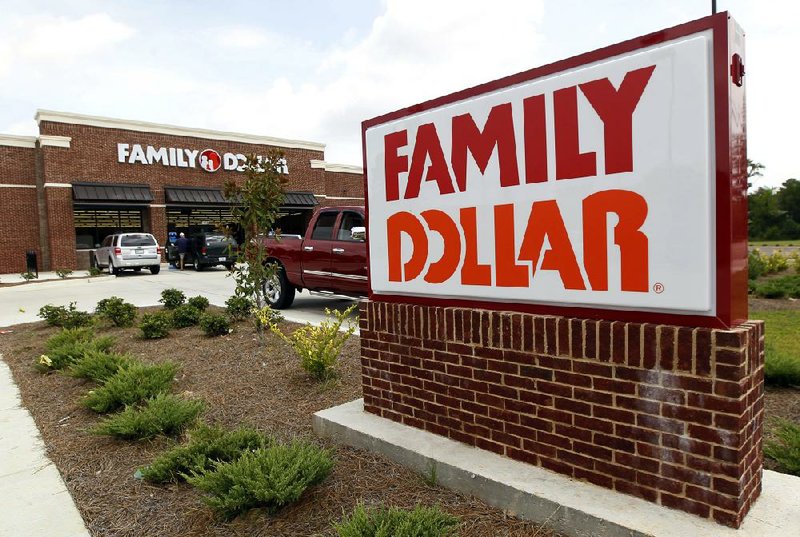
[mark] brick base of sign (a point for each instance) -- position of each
(670, 414)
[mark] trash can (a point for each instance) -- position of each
(31, 264)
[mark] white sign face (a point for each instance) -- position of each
(593, 187)
(207, 159)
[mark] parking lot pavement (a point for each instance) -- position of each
(21, 303)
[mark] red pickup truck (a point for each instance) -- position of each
(332, 257)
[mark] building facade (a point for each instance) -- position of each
(85, 177)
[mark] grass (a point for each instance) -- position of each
(205, 445)
(164, 414)
(783, 346)
(131, 385)
(790, 242)
(269, 478)
(394, 522)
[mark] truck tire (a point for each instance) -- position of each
(278, 292)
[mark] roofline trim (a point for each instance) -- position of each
(336, 168)
(172, 130)
(13, 140)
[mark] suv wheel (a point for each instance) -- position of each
(112, 269)
(155, 269)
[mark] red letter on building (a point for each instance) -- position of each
(535, 139)
(498, 132)
(507, 272)
(407, 223)
(427, 146)
(440, 222)
(615, 108)
(570, 162)
(394, 164)
(631, 208)
(472, 272)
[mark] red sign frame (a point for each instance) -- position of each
(730, 180)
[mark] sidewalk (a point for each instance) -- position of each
(44, 276)
(34, 501)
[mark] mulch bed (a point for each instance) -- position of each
(242, 382)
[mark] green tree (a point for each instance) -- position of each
(789, 199)
(754, 169)
(766, 219)
(259, 196)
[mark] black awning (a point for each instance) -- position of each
(195, 196)
(99, 192)
(299, 199)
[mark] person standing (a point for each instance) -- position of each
(182, 244)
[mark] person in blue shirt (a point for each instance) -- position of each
(182, 244)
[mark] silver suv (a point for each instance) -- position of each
(129, 251)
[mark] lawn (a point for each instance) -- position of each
(783, 330)
(794, 242)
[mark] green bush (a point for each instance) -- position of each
(239, 307)
(65, 317)
(206, 444)
(395, 522)
(266, 317)
(199, 302)
(780, 368)
(782, 287)
(28, 276)
(756, 266)
(163, 414)
(130, 385)
(63, 273)
(99, 365)
(786, 451)
(69, 346)
(172, 298)
(270, 478)
(185, 315)
(116, 310)
(319, 346)
(95, 271)
(155, 325)
(215, 324)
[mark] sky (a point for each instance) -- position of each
(315, 69)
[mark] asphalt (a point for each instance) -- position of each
(34, 501)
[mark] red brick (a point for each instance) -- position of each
(594, 477)
(627, 487)
(734, 339)
(538, 334)
(590, 339)
(649, 346)
(666, 337)
(694, 415)
(563, 337)
(685, 504)
(660, 424)
(634, 349)
(550, 335)
(685, 348)
(576, 335)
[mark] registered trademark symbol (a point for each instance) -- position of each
(658, 287)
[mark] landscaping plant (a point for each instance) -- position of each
(172, 298)
(215, 324)
(130, 385)
(781, 287)
(185, 315)
(65, 317)
(238, 307)
(69, 346)
(266, 317)
(99, 365)
(206, 444)
(199, 302)
(155, 325)
(270, 478)
(319, 346)
(116, 310)
(63, 273)
(395, 522)
(163, 414)
(786, 451)
(781, 368)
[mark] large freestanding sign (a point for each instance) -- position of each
(602, 182)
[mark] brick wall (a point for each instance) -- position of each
(669, 414)
(344, 185)
(62, 228)
(19, 227)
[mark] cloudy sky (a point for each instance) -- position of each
(314, 69)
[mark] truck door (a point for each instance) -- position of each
(316, 254)
(349, 255)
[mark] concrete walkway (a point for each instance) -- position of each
(34, 501)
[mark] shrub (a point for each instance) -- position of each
(199, 302)
(65, 317)
(95, 271)
(28, 276)
(395, 522)
(780, 368)
(239, 307)
(266, 317)
(131, 385)
(206, 444)
(172, 298)
(165, 414)
(185, 315)
(784, 286)
(155, 325)
(69, 346)
(99, 365)
(63, 273)
(215, 324)
(786, 451)
(271, 477)
(776, 262)
(116, 310)
(756, 266)
(319, 346)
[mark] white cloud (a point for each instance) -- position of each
(64, 39)
(243, 37)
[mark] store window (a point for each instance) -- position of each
(92, 225)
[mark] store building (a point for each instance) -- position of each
(85, 177)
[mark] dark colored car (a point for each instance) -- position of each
(206, 250)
